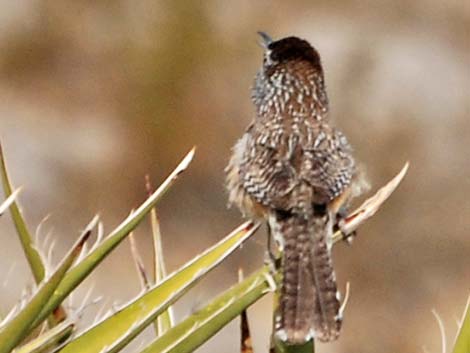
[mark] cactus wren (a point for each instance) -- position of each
(294, 169)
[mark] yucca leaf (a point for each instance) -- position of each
(202, 325)
(370, 206)
(32, 255)
(462, 341)
(199, 327)
(48, 339)
(19, 326)
(113, 333)
(79, 272)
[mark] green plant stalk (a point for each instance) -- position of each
(20, 326)
(281, 347)
(462, 342)
(115, 332)
(47, 340)
(79, 272)
(32, 255)
(202, 325)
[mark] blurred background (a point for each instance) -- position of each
(94, 95)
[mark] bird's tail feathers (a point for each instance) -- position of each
(309, 302)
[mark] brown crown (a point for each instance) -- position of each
(293, 48)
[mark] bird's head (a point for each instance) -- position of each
(288, 50)
(291, 79)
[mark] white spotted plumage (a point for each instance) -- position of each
(289, 167)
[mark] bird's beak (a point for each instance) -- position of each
(265, 39)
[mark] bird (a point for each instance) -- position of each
(294, 169)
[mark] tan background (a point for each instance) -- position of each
(94, 95)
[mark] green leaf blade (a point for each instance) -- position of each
(115, 332)
(21, 325)
(462, 342)
(32, 255)
(79, 272)
(199, 327)
(48, 339)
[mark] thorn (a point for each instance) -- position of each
(99, 236)
(185, 162)
(139, 264)
(47, 238)
(96, 301)
(89, 228)
(457, 322)
(461, 321)
(86, 297)
(99, 314)
(345, 301)
(148, 185)
(50, 252)
(441, 329)
(240, 274)
(37, 234)
(10, 199)
(83, 253)
(8, 274)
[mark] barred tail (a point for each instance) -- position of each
(309, 306)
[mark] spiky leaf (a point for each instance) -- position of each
(199, 327)
(79, 272)
(112, 334)
(19, 327)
